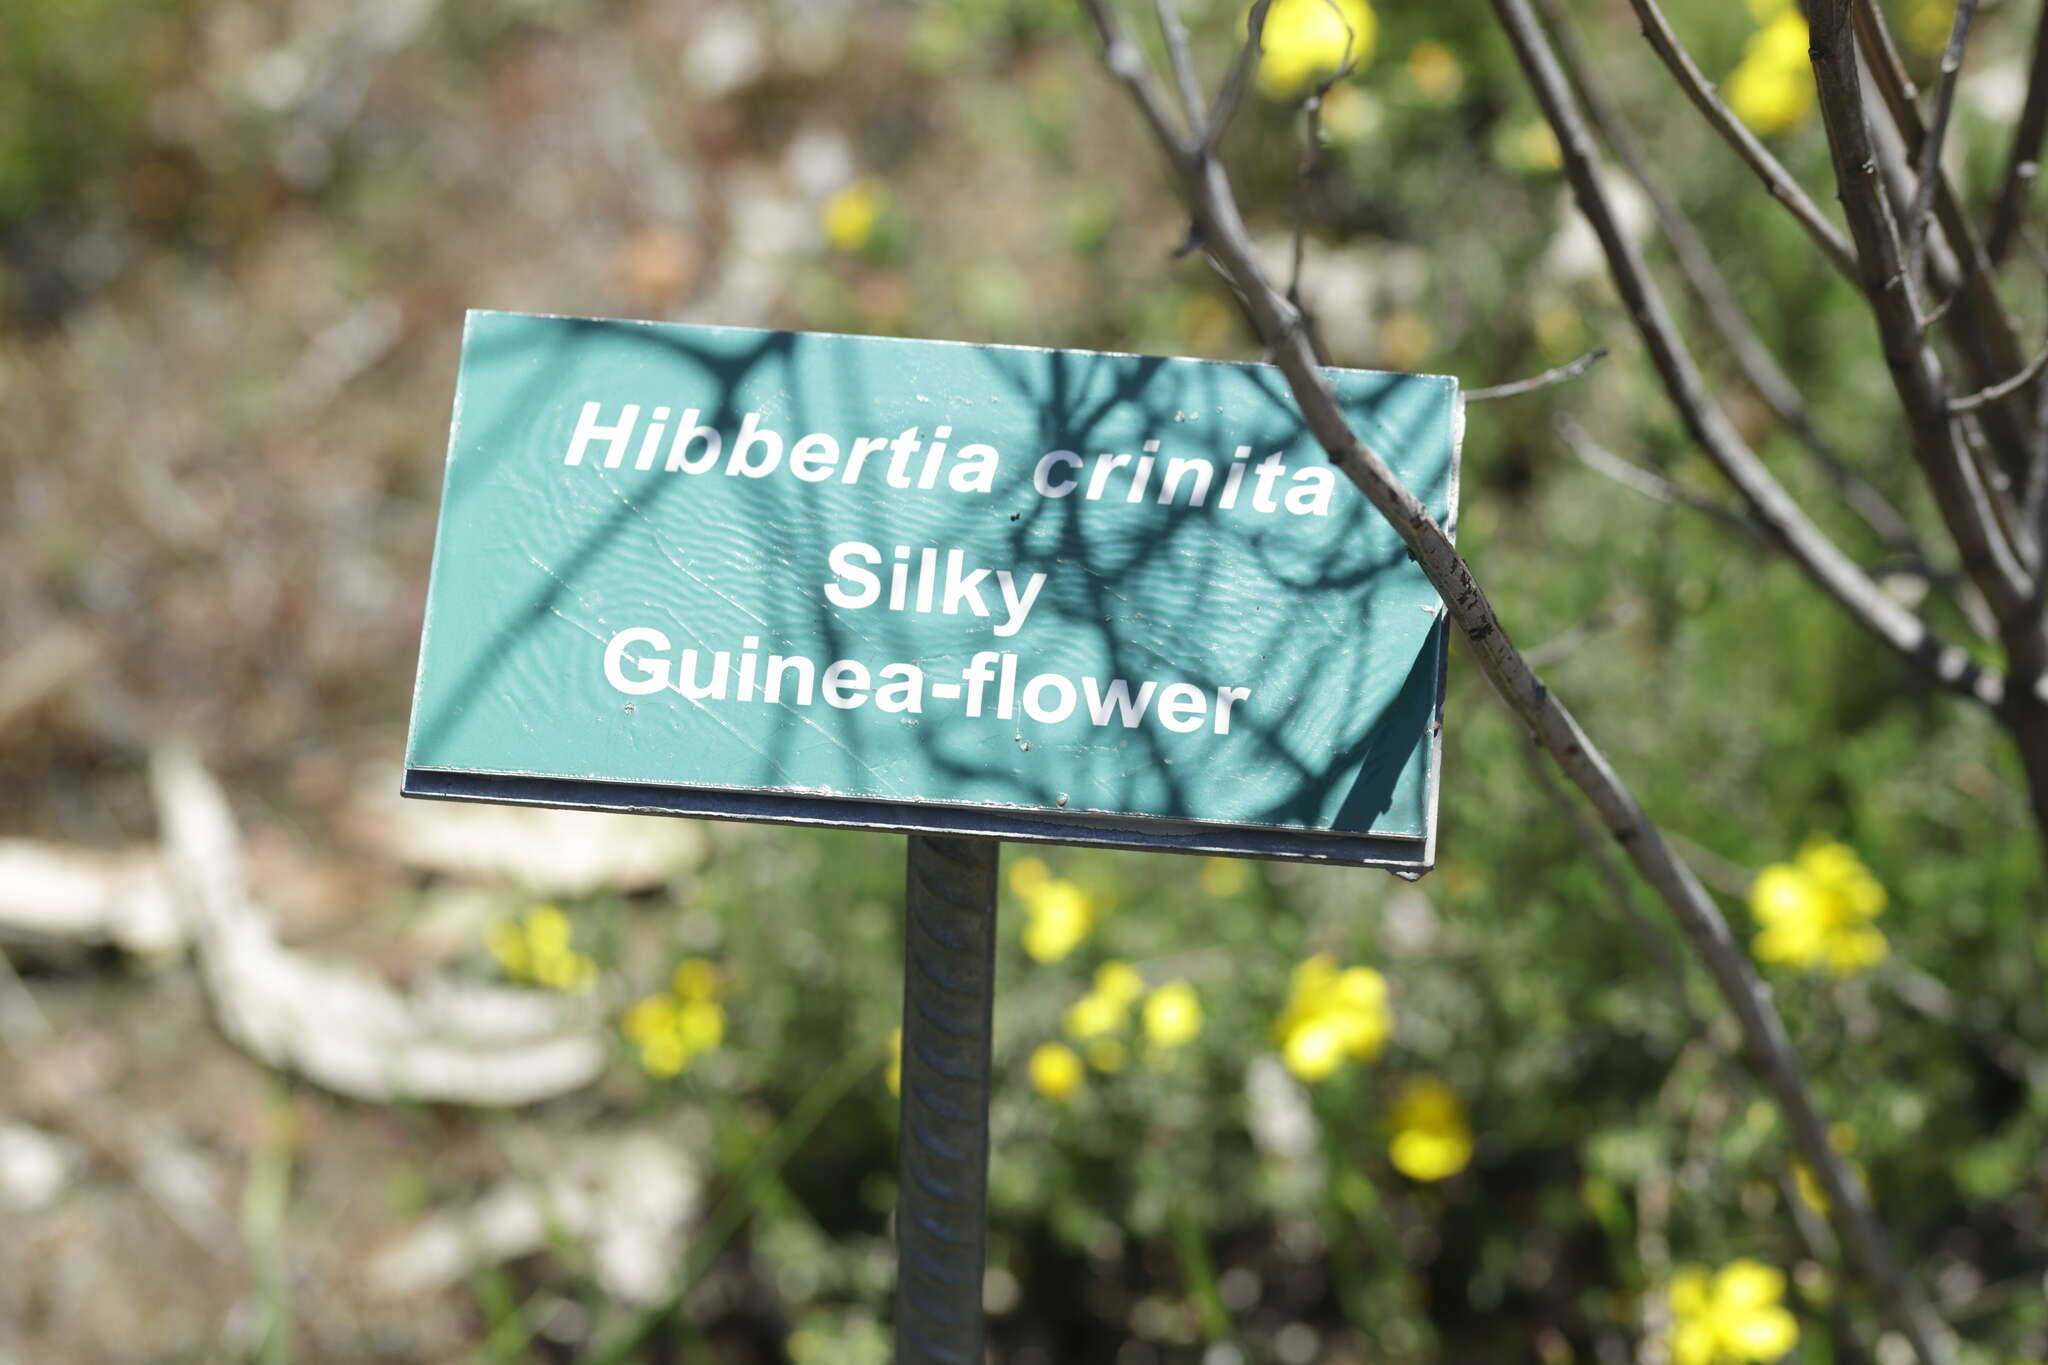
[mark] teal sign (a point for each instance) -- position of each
(924, 586)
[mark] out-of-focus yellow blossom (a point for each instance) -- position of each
(1028, 874)
(1817, 910)
(1223, 877)
(671, 1030)
(1119, 981)
(1527, 148)
(893, 1074)
(1055, 1071)
(1350, 115)
(1771, 89)
(696, 978)
(1058, 915)
(1405, 339)
(1107, 1054)
(1306, 42)
(1842, 1138)
(1173, 1015)
(850, 216)
(1928, 23)
(1094, 1015)
(1730, 1317)
(1431, 1140)
(1435, 71)
(1332, 1016)
(1763, 11)
(537, 947)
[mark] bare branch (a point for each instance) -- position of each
(1981, 326)
(1928, 171)
(1206, 194)
(1653, 485)
(1765, 498)
(1562, 374)
(1752, 358)
(1779, 181)
(2023, 160)
(1235, 81)
(1182, 61)
(1971, 402)
(1964, 499)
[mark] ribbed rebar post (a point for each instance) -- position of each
(949, 987)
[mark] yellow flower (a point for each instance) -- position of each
(1028, 874)
(1405, 339)
(696, 979)
(1928, 23)
(1107, 1054)
(1055, 1071)
(1120, 982)
(1816, 910)
(1771, 89)
(1223, 877)
(1332, 1015)
(1528, 147)
(1431, 1138)
(894, 1074)
(1731, 1317)
(1173, 1015)
(536, 948)
(850, 216)
(671, 1030)
(1435, 72)
(1093, 1015)
(1306, 42)
(1842, 1138)
(1059, 915)
(1313, 1052)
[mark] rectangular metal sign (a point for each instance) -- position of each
(925, 586)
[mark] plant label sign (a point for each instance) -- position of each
(932, 588)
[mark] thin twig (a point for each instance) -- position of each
(1562, 374)
(1664, 41)
(1311, 146)
(2023, 159)
(1970, 402)
(1207, 196)
(1182, 61)
(1236, 80)
(1962, 496)
(1753, 359)
(1986, 337)
(1653, 485)
(1767, 501)
(1928, 170)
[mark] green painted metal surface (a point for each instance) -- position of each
(1099, 589)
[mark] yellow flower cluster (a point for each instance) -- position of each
(851, 216)
(1057, 913)
(537, 947)
(1170, 1017)
(1431, 1138)
(672, 1029)
(1306, 42)
(1771, 89)
(1332, 1016)
(1817, 910)
(1730, 1317)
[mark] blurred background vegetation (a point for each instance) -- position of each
(1244, 1112)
